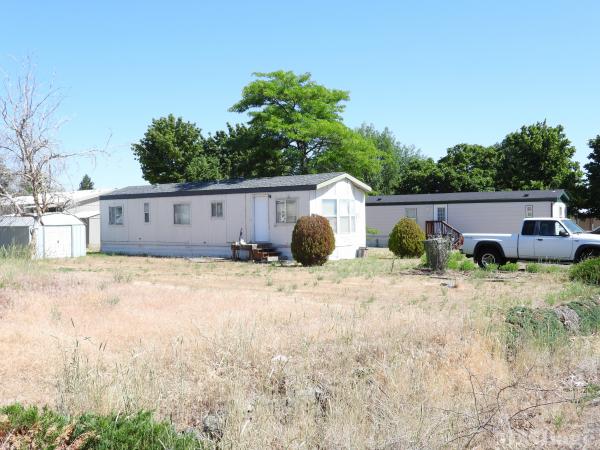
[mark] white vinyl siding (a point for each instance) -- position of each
(286, 211)
(115, 215)
(181, 214)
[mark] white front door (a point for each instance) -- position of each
(440, 213)
(261, 218)
(57, 242)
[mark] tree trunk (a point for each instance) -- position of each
(438, 252)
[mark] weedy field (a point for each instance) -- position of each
(371, 353)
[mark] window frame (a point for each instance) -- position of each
(352, 214)
(146, 213)
(416, 218)
(217, 217)
(528, 211)
(285, 200)
(190, 214)
(122, 216)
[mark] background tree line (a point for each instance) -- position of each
(295, 126)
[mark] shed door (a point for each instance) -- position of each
(57, 242)
(261, 218)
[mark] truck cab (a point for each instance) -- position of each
(540, 239)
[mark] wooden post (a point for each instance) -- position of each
(438, 252)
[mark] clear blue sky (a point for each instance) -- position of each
(436, 73)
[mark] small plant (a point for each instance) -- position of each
(30, 427)
(541, 326)
(312, 240)
(406, 239)
(587, 271)
(467, 266)
(533, 268)
(371, 230)
(509, 267)
(491, 268)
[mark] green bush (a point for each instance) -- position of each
(587, 271)
(31, 427)
(371, 230)
(589, 315)
(406, 239)
(312, 240)
(542, 326)
(509, 267)
(458, 261)
(533, 267)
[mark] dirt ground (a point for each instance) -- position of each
(368, 353)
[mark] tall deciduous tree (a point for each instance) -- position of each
(469, 168)
(394, 159)
(86, 183)
(172, 151)
(420, 176)
(28, 140)
(538, 156)
(304, 118)
(593, 177)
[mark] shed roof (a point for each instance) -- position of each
(47, 219)
(469, 197)
(239, 185)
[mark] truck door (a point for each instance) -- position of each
(527, 240)
(553, 242)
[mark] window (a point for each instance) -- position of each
(146, 212)
(181, 214)
(441, 214)
(528, 228)
(550, 228)
(330, 213)
(529, 211)
(115, 215)
(341, 215)
(216, 209)
(347, 220)
(411, 213)
(286, 211)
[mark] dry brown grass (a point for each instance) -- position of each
(356, 354)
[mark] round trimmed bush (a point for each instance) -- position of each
(406, 239)
(587, 271)
(312, 240)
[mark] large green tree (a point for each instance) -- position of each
(538, 156)
(469, 168)
(420, 176)
(172, 150)
(394, 158)
(304, 119)
(593, 177)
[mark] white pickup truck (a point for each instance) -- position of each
(541, 239)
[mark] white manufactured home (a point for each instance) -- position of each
(205, 218)
(467, 212)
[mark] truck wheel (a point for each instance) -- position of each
(487, 256)
(588, 253)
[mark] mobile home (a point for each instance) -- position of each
(468, 212)
(205, 218)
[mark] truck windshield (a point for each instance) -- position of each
(572, 226)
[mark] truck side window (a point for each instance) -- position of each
(528, 228)
(550, 228)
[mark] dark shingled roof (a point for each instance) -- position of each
(468, 197)
(271, 184)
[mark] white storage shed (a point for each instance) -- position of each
(54, 235)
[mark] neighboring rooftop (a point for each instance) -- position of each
(468, 197)
(270, 184)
